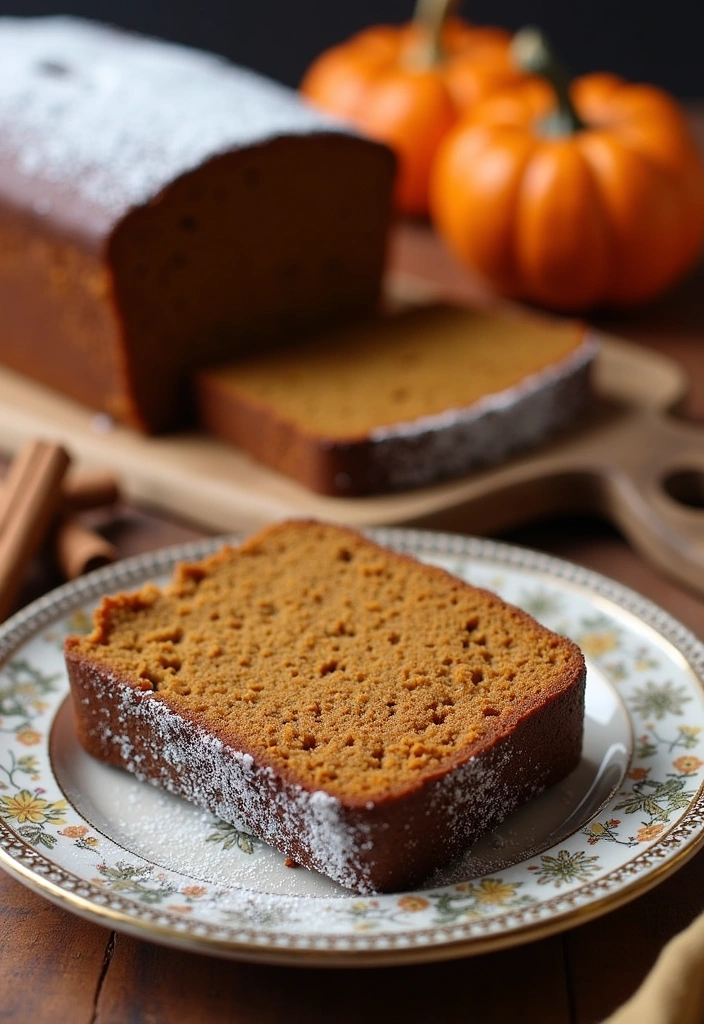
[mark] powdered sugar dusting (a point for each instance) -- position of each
(197, 765)
(116, 117)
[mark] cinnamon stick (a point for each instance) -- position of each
(79, 549)
(30, 497)
(85, 489)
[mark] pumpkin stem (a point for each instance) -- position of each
(430, 16)
(532, 53)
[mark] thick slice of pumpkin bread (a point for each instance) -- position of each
(402, 400)
(367, 714)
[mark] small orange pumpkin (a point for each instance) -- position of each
(406, 85)
(595, 201)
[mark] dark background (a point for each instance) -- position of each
(660, 42)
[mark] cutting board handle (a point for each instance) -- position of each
(654, 492)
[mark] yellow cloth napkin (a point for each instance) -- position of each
(673, 991)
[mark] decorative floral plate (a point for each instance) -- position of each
(130, 857)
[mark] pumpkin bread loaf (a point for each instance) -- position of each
(402, 400)
(162, 209)
(368, 715)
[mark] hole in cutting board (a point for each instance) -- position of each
(686, 486)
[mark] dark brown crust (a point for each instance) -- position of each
(57, 321)
(393, 844)
(117, 309)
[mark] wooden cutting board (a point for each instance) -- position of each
(628, 459)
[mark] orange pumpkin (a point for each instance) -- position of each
(406, 86)
(596, 200)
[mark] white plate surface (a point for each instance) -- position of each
(124, 854)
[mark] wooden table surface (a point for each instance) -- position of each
(55, 966)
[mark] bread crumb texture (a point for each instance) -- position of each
(351, 381)
(342, 665)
